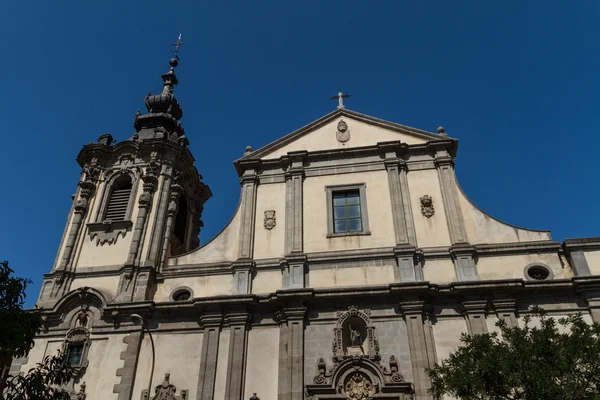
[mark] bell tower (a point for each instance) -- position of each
(138, 202)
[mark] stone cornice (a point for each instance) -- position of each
(585, 244)
(413, 156)
(517, 248)
(413, 297)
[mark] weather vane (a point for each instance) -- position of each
(340, 96)
(177, 44)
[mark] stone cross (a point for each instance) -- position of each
(340, 96)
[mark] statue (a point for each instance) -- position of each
(355, 338)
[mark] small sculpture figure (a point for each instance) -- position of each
(355, 336)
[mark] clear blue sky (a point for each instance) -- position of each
(516, 82)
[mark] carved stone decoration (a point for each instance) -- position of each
(108, 231)
(354, 335)
(395, 376)
(166, 391)
(342, 134)
(427, 206)
(270, 221)
(359, 378)
(358, 387)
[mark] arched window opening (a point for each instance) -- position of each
(118, 201)
(180, 229)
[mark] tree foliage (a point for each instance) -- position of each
(18, 328)
(547, 360)
(45, 381)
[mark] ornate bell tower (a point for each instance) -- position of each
(138, 202)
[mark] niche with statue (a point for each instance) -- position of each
(354, 335)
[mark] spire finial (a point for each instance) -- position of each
(340, 96)
(175, 60)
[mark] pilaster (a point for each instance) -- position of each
(456, 224)
(590, 291)
(464, 256)
(506, 309)
(211, 322)
(236, 362)
(130, 355)
(249, 181)
(409, 267)
(422, 348)
(475, 312)
(243, 272)
(294, 183)
(291, 353)
(394, 166)
(293, 269)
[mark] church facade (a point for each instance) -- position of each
(353, 262)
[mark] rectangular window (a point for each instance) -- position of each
(75, 354)
(347, 210)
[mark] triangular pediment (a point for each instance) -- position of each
(361, 130)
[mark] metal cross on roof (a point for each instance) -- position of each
(340, 96)
(177, 44)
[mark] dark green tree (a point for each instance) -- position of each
(18, 328)
(547, 360)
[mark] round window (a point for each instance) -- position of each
(182, 295)
(537, 272)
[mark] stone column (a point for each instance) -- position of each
(475, 311)
(236, 362)
(291, 353)
(130, 355)
(211, 322)
(156, 236)
(422, 348)
(294, 181)
(249, 183)
(176, 190)
(87, 187)
(144, 202)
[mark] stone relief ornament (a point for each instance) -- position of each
(427, 206)
(342, 134)
(270, 219)
(358, 387)
(166, 391)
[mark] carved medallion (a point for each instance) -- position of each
(342, 134)
(270, 219)
(427, 206)
(358, 387)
